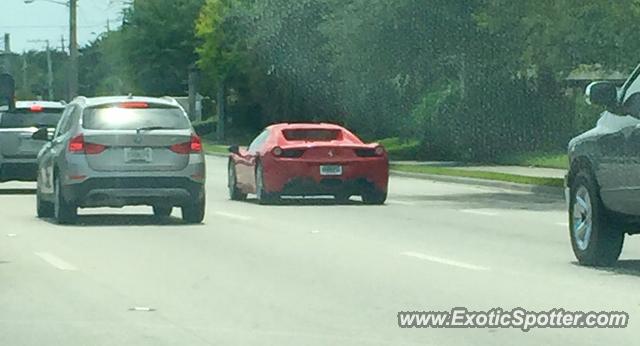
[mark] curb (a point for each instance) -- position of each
(554, 191)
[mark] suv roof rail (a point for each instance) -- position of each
(80, 98)
(171, 99)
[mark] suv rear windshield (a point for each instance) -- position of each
(26, 118)
(114, 118)
(312, 135)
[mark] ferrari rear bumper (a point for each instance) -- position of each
(304, 177)
(327, 186)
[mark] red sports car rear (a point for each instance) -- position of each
(309, 159)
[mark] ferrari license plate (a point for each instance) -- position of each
(330, 170)
(137, 154)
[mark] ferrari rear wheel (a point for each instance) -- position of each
(263, 196)
(234, 193)
(374, 197)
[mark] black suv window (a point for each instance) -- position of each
(48, 117)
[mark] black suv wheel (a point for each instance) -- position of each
(595, 240)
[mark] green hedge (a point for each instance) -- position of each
(401, 149)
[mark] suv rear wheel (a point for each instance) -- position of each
(160, 211)
(594, 239)
(194, 212)
(64, 212)
(44, 208)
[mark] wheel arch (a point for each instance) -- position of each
(580, 164)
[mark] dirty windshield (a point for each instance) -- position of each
(319, 172)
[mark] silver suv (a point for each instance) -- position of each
(117, 151)
(18, 151)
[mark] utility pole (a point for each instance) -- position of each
(73, 49)
(49, 72)
(25, 80)
(62, 44)
(7, 53)
(49, 69)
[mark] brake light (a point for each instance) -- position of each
(193, 146)
(93, 148)
(76, 144)
(134, 105)
(378, 151)
(196, 144)
(36, 108)
(79, 146)
(288, 153)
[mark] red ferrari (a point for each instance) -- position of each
(307, 160)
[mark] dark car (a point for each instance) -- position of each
(603, 182)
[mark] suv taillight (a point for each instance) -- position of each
(191, 147)
(79, 146)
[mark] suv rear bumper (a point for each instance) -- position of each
(118, 192)
(18, 169)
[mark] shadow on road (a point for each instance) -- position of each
(315, 202)
(623, 267)
(107, 220)
(495, 200)
(17, 192)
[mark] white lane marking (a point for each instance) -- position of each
(232, 216)
(142, 308)
(444, 261)
(563, 224)
(479, 212)
(11, 235)
(395, 201)
(55, 261)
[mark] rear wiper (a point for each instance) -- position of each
(151, 128)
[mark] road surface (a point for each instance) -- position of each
(302, 273)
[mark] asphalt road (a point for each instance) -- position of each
(302, 273)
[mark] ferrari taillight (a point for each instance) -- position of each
(370, 152)
(287, 153)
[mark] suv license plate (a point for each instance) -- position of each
(330, 170)
(137, 155)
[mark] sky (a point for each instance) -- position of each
(42, 20)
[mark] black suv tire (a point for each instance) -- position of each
(604, 243)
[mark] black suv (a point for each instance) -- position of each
(603, 182)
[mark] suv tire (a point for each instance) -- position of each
(159, 211)
(594, 238)
(44, 209)
(64, 212)
(193, 213)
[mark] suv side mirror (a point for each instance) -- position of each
(234, 149)
(602, 94)
(42, 134)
